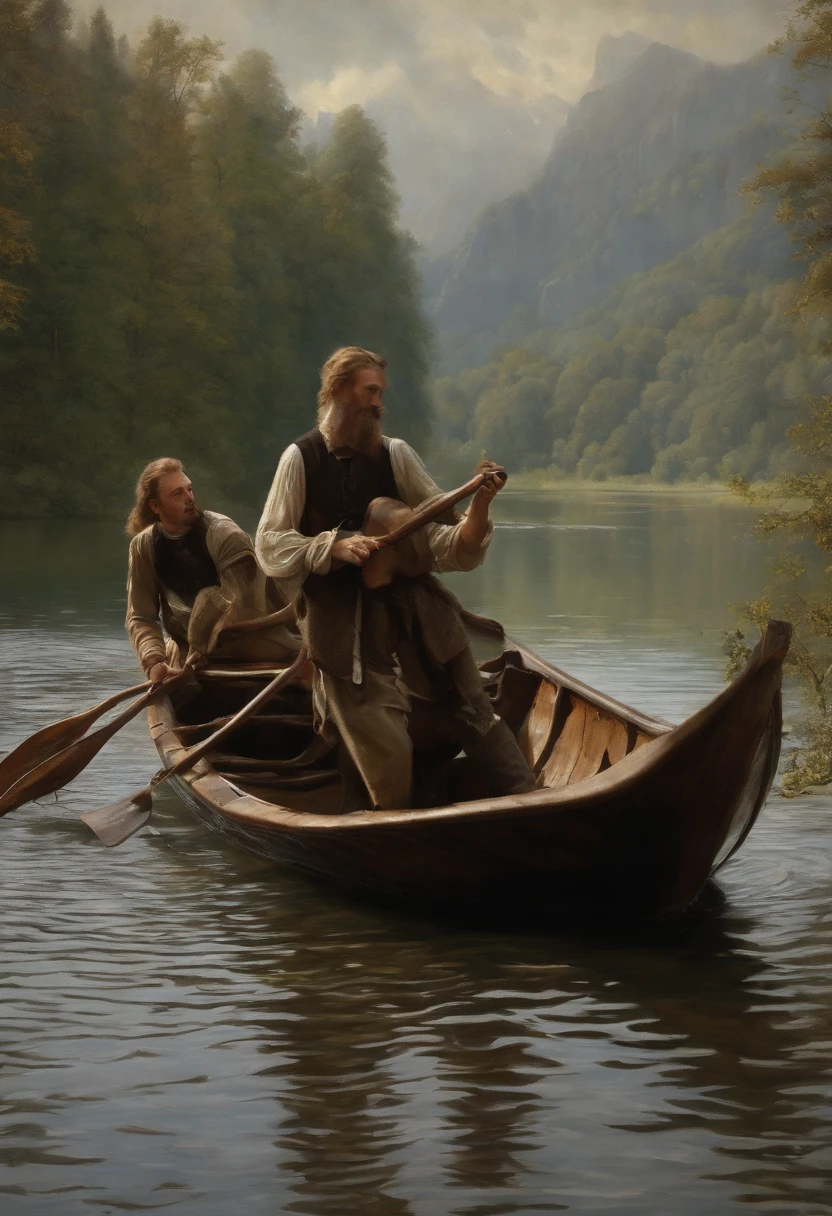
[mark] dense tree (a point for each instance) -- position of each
(799, 503)
(711, 395)
(16, 83)
(39, 357)
(257, 180)
(373, 287)
(173, 270)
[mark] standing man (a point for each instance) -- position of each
(197, 571)
(374, 651)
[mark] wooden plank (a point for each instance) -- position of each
(617, 747)
(598, 731)
(281, 781)
(567, 748)
(303, 721)
(535, 735)
(535, 664)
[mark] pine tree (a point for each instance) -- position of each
(255, 177)
(173, 270)
(37, 364)
(16, 151)
(177, 326)
(373, 294)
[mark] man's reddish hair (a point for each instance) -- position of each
(339, 370)
(147, 487)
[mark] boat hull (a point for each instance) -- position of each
(640, 837)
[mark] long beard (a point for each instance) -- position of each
(347, 429)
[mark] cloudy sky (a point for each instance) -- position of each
(489, 76)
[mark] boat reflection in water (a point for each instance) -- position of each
(541, 1072)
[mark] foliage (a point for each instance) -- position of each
(674, 378)
(15, 157)
(799, 503)
(173, 269)
(799, 515)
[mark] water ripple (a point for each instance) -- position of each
(185, 1027)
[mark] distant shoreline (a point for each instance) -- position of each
(518, 483)
(531, 483)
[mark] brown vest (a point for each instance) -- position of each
(338, 492)
(183, 563)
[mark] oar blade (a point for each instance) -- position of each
(53, 774)
(40, 747)
(117, 822)
(50, 740)
(56, 772)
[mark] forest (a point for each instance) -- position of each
(175, 266)
(687, 373)
(635, 314)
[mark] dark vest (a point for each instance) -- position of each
(338, 492)
(184, 565)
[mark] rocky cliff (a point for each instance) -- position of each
(646, 166)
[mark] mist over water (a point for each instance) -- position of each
(185, 1027)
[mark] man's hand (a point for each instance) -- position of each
(492, 487)
(475, 521)
(159, 672)
(354, 549)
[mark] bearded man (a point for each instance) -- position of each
(375, 651)
(198, 572)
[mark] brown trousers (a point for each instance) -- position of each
(372, 722)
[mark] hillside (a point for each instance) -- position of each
(643, 169)
(633, 304)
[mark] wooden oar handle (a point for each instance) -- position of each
(284, 616)
(426, 515)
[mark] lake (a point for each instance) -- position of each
(184, 1027)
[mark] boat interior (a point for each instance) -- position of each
(565, 733)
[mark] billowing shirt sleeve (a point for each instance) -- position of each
(242, 582)
(143, 603)
(282, 550)
(448, 549)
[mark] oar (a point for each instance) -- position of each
(51, 739)
(114, 823)
(435, 507)
(59, 769)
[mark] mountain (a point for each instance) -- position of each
(645, 167)
(480, 148)
(614, 56)
(632, 314)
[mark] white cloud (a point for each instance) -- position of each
(350, 86)
(468, 91)
(519, 49)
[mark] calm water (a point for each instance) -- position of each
(185, 1028)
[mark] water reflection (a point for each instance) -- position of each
(185, 1027)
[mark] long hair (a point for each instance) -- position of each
(340, 368)
(147, 487)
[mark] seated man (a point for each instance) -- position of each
(376, 650)
(198, 570)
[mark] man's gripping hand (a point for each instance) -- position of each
(160, 671)
(354, 549)
(494, 483)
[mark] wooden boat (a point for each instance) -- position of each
(631, 813)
